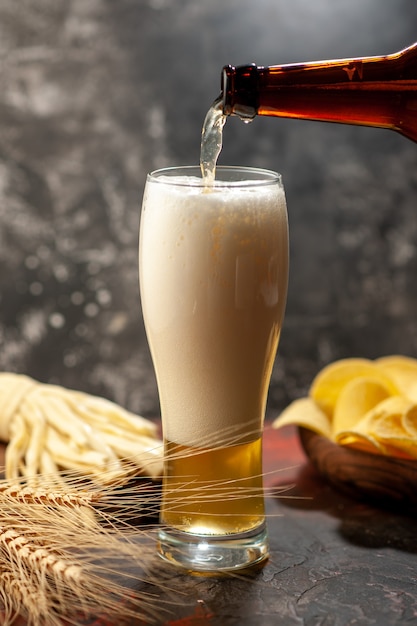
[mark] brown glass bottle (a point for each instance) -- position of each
(370, 91)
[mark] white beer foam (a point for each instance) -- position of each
(214, 266)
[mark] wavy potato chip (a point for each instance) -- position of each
(410, 423)
(402, 370)
(366, 443)
(383, 426)
(362, 404)
(386, 423)
(304, 412)
(328, 384)
(356, 399)
(385, 419)
(362, 442)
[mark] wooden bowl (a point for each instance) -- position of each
(384, 480)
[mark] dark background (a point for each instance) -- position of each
(96, 93)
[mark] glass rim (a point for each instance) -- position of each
(226, 176)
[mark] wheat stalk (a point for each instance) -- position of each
(52, 561)
(68, 541)
(61, 555)
(47, 584)
(27, 494)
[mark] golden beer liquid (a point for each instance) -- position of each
(213, 491)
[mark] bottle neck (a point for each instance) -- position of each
(240, 90)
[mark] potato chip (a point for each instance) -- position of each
(385, 424)
(357, 397)
(366, 443)
(399, 453)
(362, 404)
(402, 371)
(366, 429)
(362, 442)
(328, 384)
(304, 412)
(385, 420)
(410, 423)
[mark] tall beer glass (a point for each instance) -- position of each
(213, 277)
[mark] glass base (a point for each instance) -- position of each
(214, 553)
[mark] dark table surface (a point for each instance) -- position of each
(335, 560)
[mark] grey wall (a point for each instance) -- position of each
(95, 93)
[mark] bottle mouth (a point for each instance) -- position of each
(240, 91)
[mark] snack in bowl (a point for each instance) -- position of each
(362, 404)
(358, 427)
